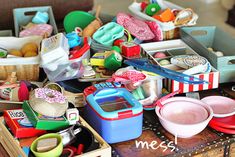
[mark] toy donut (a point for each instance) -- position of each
(48, 102)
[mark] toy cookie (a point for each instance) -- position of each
(48, 102)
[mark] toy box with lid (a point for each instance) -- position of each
(113, 112)
(209, 44)
(56, 61)
(165, 54)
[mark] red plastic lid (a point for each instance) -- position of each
(226, 122)
(221, 129)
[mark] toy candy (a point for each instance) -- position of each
(3, 53)
(136, 27)
(164, 62)
(159, 55)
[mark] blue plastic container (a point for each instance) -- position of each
(115, 114)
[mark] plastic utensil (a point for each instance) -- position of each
(221, 106)
(159, 101)
(77, 19)
(170, 74)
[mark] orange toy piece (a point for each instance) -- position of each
(165, 15)
(93, 26)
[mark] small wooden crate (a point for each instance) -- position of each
(13, 148)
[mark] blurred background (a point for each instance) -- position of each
(211, 12)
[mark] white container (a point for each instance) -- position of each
(54, 51)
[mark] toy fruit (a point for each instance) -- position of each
(30, 54)
(15, 52)
(152, 9)
(165, 16)
(29, 47)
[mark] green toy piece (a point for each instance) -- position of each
(77, 19)
(152, 9)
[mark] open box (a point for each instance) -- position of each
(13, 148)
(202, 38)
(22, 16)
(178, 47)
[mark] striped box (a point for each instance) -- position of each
(212, 78)
(173, 48)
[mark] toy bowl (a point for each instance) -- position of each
(221, 106)
(54, 152)
(184, 117)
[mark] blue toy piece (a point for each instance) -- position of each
(108, 33)
(40, 18)
(115, 114)
(73, 39)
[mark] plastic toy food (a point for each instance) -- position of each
(28, 50)
(93, 26)
(15, 52)
(164, 15)
(159, 55)
(48, 102)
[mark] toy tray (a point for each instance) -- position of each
(173, 48)
(202, 38)
(108, 33)
(22, 16)
(135, 8)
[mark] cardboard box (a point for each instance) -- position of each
(19, 124)
(45, 123)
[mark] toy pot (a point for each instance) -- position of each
(69, 135)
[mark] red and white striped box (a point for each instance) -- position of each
(168, 47)
(212, 78)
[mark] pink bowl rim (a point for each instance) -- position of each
(199, 102)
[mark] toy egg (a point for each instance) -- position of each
(15, 52)
(164, 62)
(210, 49)
(29, 47)
(159, 55)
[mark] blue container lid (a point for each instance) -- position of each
(114, 104)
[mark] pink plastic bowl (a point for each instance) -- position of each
(184, 117)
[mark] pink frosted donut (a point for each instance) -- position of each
(50, 95)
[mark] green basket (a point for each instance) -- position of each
(201, 38)
(22, 16)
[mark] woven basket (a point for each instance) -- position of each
(171, 34)
(28, 72)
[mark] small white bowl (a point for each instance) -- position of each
(184, 117)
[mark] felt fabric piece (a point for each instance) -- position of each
(136, 27)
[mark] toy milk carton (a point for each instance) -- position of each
(114, 113)
(19, 124)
